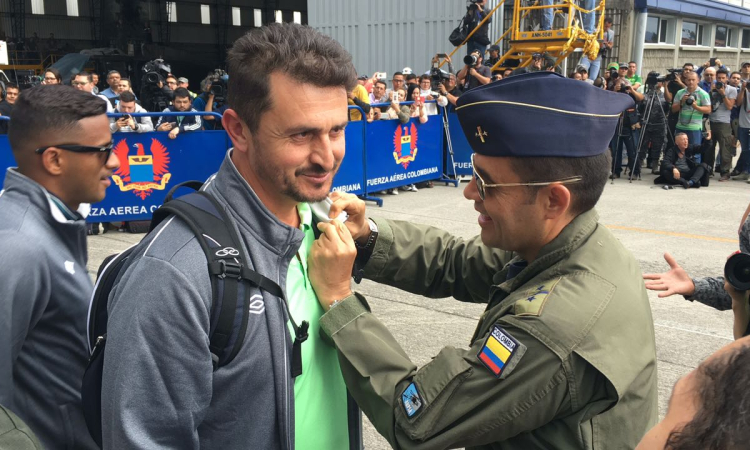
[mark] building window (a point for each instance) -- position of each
(297, 17)
(171, 12)
(72, 8)
(37, 6)
(660, 30)
(236, 20)
(723, 36)
(205, 15)
(278, 16)
(745, 38)
(257, 18)
(692, 34)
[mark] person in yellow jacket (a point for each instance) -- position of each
(564, 355)
(359, 96)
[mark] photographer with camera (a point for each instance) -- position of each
(743, 131)
(682, 163)
(474, 72)
(130, 124)
(179, 124)
(723, 97)
(629, 122)
(475, 13)
(655, 122)
(494, 56)
(449, 88)
(212, 98)
(155, 94)
(691, 103)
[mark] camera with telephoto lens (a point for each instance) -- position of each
(471, 60)
(613, 73)
(737, 271)
(437, 77)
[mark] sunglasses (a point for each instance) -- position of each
(482, 186)
(80, 149)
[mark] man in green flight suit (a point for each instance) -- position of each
(564, 355)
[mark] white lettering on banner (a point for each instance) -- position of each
(462, 165)
(402, 176)
(123, 210)
(347, 188)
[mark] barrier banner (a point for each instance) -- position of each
(150, 165)
(6, 157)
(461, 149)
(401, 154)
(351, 174)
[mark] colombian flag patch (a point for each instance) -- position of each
(501, 352)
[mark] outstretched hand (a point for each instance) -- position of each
(675, 281)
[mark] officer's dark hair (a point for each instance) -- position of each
(86, 75)
(721, 419)
(300, 52)
(584, 194)
(127, 97)
(181, 93)
(45, 111)
(724, 71)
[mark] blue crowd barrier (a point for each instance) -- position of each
(380, 155)
(461, 149)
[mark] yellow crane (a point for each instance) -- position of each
(556, 42)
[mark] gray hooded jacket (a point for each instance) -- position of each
(159, 387)
(44, 298)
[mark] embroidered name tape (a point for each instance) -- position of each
(411, 400)
(501, 352)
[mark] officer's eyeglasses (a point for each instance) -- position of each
(107, 150)
(482, 186)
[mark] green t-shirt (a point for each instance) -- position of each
(635, 79)
(690, 118)
(320, 407)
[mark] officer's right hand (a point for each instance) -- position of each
(355, 208)
(676, 281)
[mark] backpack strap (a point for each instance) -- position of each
(227, 266)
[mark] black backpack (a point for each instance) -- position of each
(227, 268)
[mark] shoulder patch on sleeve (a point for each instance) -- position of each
(533, 303)
(501, 352)
(411, 400)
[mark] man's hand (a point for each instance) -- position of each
(122, 122)
(173, 134)
(130, 122)
(708, 135)
(351, 95)
(473, 72)
(355, 208)
(330, 263)
(718, 62)
(684, 98)
(166, 126)
(676, 173)
(676, 281)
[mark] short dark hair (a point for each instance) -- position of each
(181, 93)
(128, 80)
(397, 73)
(723, 70)
(423, 78)
(127, 97)
(584, 194)
(735, 72)
(111, 72)
(382, 82)
(410, 76)
(607, 20)
(83, 74)
(12, 86)
(48, 109)
(688, 64)
(721, 419)
(300, 52)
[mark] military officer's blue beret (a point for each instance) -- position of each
(540, 114)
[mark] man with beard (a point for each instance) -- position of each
(179, 124)
(159, 387)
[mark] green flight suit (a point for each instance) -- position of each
(587, 378)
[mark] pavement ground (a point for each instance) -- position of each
(697, 226)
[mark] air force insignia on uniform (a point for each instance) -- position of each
(536, 297)
(411, 400)
(501, 352)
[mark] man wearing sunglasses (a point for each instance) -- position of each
(62, 144)
(564, 356)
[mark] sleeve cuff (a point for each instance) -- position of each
(344, 313)
(382, 249)
(698, 286)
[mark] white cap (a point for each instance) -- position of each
(407, 71)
